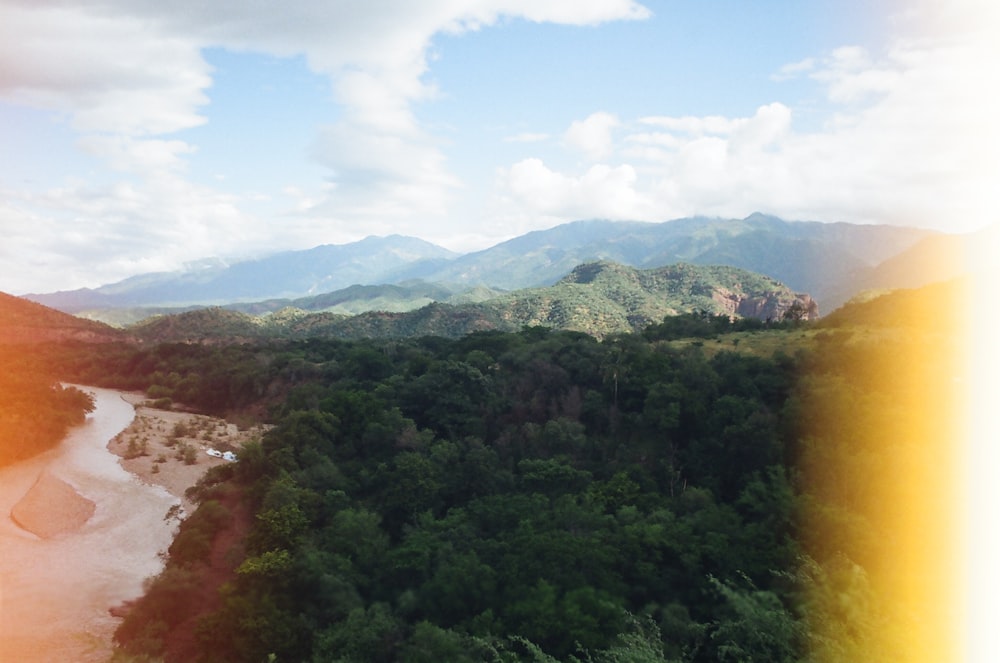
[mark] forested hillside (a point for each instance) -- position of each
(681, 495)
(713, 488)
(438, 500)
(599, 298)
(831, 261)
(35, 410)
(35, 414)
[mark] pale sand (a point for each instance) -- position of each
(154, 428)
(63, 564)
(52, 507)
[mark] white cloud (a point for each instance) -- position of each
(915, 140)
(143, 157)
(90, 235)
(592, 136)
(125, 73)
(850, 75)
(711, 124)
(109, 74)
(600, 192)
(765, 128)
(794, 69)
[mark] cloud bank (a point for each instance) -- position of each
(125, 74)
(912, 140)
(908, 135)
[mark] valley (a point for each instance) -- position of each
(666, 460)
(830, 261)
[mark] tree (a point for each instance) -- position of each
(757, 627)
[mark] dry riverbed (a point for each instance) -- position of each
(81, 528)
(170, 449)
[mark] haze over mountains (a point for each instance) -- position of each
(830, 261)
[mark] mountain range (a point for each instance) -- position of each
(830, 261)
(599, 298)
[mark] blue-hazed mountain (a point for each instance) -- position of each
(822, 259)
(287, 274)
(827, 260)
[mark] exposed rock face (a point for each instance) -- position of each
(763, 308)
(773, 306)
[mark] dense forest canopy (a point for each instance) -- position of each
(35, 410)
(707, 490)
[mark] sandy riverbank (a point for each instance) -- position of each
(154, 446)
(81, 528)
(161, 447)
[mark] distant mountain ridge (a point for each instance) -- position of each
(281, 275)
(828, 260)
(806, 255)
(392, 298)
(599, 298)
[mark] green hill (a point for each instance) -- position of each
(598, 298)
(831, 261)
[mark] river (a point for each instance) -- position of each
(55, 592)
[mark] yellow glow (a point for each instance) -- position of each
(980, 487)
(974, 579)
(884, 473)
(981, 641)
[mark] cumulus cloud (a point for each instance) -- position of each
(599, 192)
(89, 235)
(127, 73)
(914, 139)
(145, 157)
(711, 124)
(851, 75)
(592, 136)
(108, 74)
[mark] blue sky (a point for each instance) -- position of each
(139, 135)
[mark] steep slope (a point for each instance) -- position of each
(23, 321)
(825, 259)
(597, 298)
(808, 256)
(604, 297)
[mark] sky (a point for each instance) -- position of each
(140, 136)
